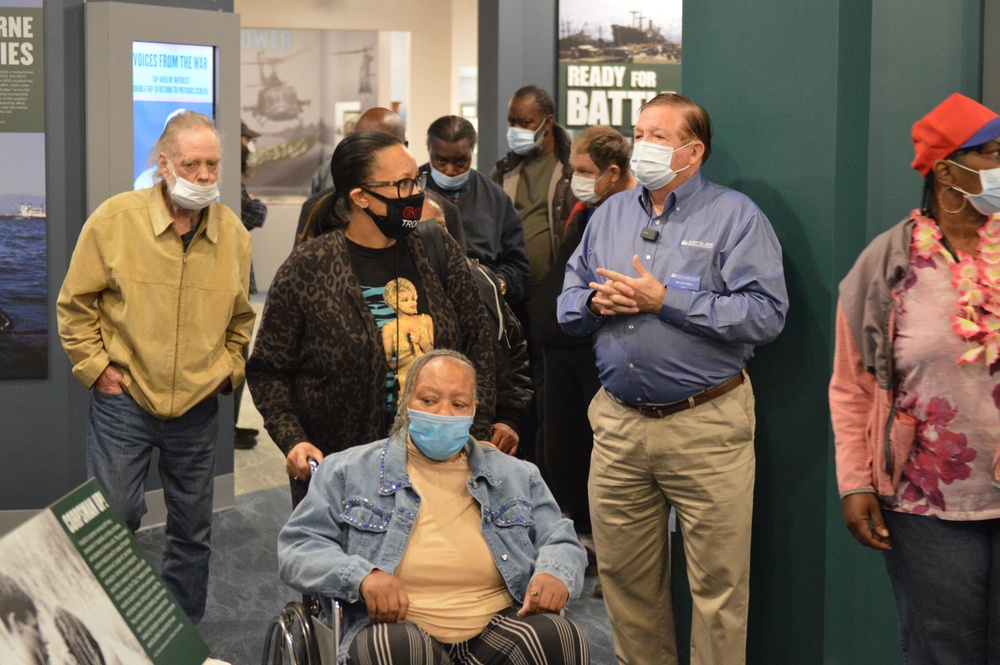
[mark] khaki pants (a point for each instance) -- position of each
(701, 462)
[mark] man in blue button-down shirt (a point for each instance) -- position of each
(677, 281)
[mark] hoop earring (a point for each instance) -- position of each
(951, 212)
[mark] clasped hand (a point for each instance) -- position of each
(622, 294)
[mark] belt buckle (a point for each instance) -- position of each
(652, 411)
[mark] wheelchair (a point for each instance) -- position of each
(297, 636)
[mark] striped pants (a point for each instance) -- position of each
(537, 639)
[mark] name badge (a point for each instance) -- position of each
(679, 280)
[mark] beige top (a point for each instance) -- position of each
(447, 569)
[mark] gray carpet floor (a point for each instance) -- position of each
(244, 591)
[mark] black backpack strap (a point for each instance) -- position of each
(431, 235)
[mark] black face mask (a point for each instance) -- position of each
(402, 215)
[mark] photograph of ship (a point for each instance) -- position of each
(614, 57)
(23, 294)
(601, 31)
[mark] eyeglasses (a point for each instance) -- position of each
(404, 187)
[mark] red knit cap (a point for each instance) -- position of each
(957, 122)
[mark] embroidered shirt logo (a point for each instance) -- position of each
(697, 243)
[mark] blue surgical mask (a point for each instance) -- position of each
(987, 202)
(651, 164)
(439, 437)
(525, 141)
(450, 182)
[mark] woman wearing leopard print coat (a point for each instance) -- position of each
(318, 372)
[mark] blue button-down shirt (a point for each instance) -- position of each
(721, 263)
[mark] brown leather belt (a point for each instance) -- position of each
(664, 410)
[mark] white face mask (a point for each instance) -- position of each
(525, 141)
(450, 182)
(189, 195)
(651, 164)
(583, 188)
(986, 202)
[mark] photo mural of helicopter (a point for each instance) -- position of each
(276, 99)
(366, 75)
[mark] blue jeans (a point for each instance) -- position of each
(946, 579)
(120, 439)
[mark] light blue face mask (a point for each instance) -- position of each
(450, 182)
(439, 437)
(987, 202)
(525, 141)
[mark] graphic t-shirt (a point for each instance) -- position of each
(392, 289)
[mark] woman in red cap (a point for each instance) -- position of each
(915, 393)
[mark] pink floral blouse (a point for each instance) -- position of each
(945, 383)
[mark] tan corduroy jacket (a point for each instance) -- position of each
(174, 323)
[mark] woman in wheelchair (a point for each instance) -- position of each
(442, 550)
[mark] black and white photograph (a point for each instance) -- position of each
(53, 611)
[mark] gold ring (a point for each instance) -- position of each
(534, 593)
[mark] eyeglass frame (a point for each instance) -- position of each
(420, 181)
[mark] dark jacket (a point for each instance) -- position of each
(494, 234)
(510, 352)
(510, 346)
(545, 330)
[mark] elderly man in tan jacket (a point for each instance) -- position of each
(154, 316)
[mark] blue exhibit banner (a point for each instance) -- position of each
(23, 217)
(612, 60)
(166, 79)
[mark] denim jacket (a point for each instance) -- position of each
(361, 507)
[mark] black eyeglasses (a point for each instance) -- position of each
(404, 187)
